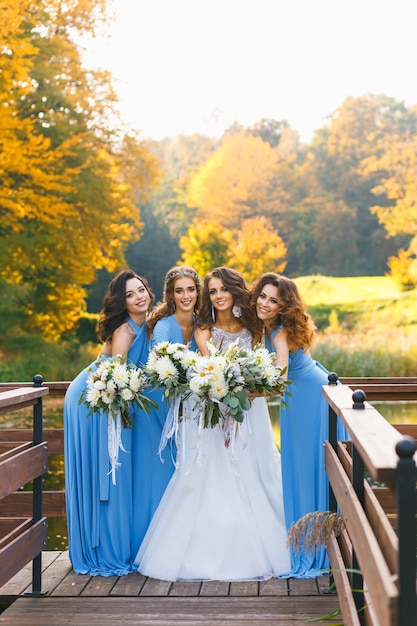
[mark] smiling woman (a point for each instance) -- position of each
(97, 500)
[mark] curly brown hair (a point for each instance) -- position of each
(167, 307)
(114, 311)
(292, 311)
(235, 283)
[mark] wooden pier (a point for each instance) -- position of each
(378, 541)
(134, 599)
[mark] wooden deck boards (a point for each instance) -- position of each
(74, 599)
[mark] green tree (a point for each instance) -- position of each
(360, 128)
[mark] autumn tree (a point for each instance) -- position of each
(258, 248)
(360, 128)
(70, 186)
(222, 187)
(398, 188)
(206, 246)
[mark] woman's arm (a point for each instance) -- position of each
(202, 336)
(282, 350)
(122, 339)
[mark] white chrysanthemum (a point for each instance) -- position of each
(218, 388)
(152, 360)
(189, 359)
(127, 394)
(172, 348)
(107, 396)
(91, 380)
(102, 366)
(136, 380)
(92, 396)
(99, 384)
(263, 357)
(105, 373)
(111, 386)
(121, 375)
(166, 369)
(161, 348)
(271, 375)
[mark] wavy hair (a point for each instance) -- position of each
(167, 307)
(235, 283)
(114, 311)
(292, 310)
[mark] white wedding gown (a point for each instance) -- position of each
(221, 516)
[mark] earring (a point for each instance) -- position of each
(213, 313)
(236, 310)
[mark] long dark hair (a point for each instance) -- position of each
(235, 283)
(167, 307)
(292, 310)
(114, 311)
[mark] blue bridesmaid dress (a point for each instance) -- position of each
(304, 426)
(151, 475)
(99, 513)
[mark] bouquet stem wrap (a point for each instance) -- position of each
(114, 441)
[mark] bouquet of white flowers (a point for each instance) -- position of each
(168, 365)
(114, 387)
(222, 381)
(258, 368)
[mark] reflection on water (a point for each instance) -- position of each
(395, 412)
(398, 412)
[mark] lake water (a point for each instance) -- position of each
(395, 412)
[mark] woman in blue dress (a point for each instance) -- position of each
(100, 513)
(174, 321)
(289, 332)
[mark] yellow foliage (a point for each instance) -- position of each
(253, 250)
(223, 188)
(69, 195)
(206, 246)
(258, 249)
(399, 184)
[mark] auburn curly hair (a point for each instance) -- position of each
(292, 310)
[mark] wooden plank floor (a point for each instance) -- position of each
(75, 599)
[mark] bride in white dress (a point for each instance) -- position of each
(221, 516)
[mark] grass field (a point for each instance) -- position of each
(366, 325)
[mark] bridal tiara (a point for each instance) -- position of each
(186, 272)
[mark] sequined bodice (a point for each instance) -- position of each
(222, 339)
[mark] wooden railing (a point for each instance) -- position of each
(23, 535)
(370, 543)
(373, 561)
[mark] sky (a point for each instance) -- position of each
(187, 66)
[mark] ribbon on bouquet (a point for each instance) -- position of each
(171, 424)
(114, 441)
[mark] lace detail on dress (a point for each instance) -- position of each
(222, 339)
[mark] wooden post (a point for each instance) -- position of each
(406, 512)
(37, 486)
(358, 477)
